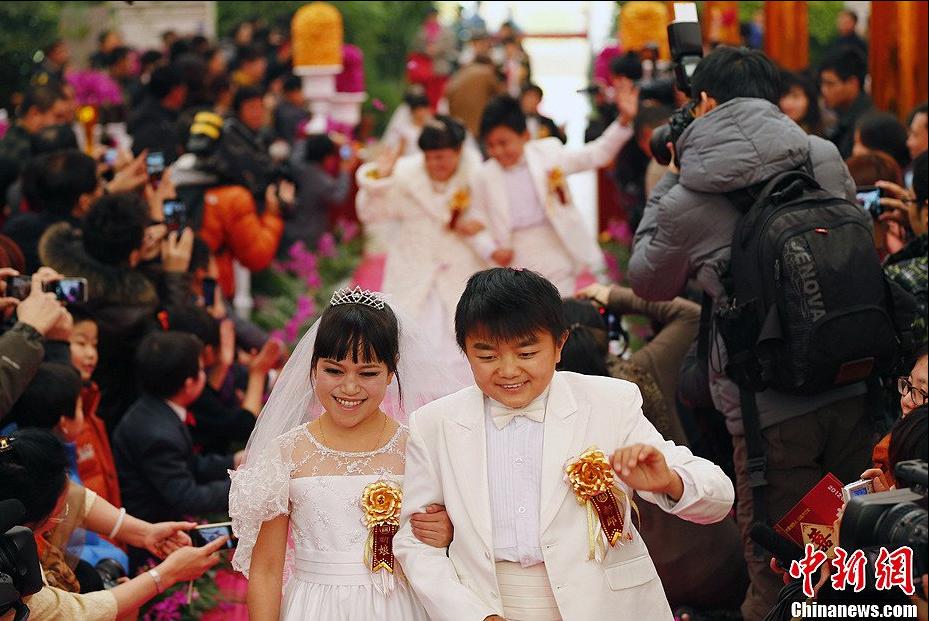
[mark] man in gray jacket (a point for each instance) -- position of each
(739, 139)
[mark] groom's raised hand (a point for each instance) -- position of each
(643, 467)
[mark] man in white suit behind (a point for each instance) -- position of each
(494, 454)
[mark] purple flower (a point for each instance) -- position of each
(326, 246)
(168, 609)
(378, 105)
(612, 267)
(620, 231)
(348, 230)
(306, 307)
(94, 88)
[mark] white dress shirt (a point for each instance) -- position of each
(514, 469)
(526, 208)
(181, 412)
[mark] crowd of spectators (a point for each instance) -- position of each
(122, 412)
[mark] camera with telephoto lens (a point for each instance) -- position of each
(892, 519)
(110, 571)
(686, 43)
(20, 574)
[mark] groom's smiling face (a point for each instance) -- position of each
(513, 371)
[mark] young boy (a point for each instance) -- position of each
(52, 401)
(160, 476)
(522, 193)
(94, 455)
(495, 456)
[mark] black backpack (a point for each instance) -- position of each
(809, 308)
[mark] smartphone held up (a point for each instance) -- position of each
(67, 290)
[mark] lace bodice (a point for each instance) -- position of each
(308, 457)
(319, 488)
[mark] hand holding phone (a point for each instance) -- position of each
(67, 290)
(155, 165)
(869, 198)
(205, 533)
(175, 214)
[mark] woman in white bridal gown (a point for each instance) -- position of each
(436, 245)
(319, 493)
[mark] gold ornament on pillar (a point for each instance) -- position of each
(317, 33)
(644, 23)
(87, 116)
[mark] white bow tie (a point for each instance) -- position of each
(503, 415)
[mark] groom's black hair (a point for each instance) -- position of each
(503, 303)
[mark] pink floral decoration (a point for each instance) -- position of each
(612, 267)
(94, 88)
(620, 231)
(326, 246)
(352, 78)
(305, 264)
(168, 609)
(348, 229)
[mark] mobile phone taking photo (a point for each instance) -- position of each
(209, 292)
(175, 214)
(155, 164)
(868, 198)
(18, 287)
(68, 290)
(205, 533)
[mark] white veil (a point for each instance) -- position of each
(260, 486)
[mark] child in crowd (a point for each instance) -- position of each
(52, 401)
(94, 455)
(497, 455)
(160, 476)
(522, 193)
(215, 426)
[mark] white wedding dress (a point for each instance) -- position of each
(328, 577)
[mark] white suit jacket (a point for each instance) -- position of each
(542, 157)
(446, 464)
(423, 251)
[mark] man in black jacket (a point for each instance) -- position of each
(160, 476)
(154, 125)
(841, 79)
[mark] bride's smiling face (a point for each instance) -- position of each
(350, 391)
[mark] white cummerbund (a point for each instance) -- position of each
(526, 593)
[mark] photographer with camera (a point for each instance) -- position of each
(737, 138)
(33, 470)
(233, 199)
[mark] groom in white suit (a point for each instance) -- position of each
(494, 454)
(521, 193)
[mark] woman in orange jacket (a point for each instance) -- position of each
(234, 230)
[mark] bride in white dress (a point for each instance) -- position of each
(316, 503)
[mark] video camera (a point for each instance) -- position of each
(20, 575)
(892, 519)
(686, 43)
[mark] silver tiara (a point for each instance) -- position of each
(357, 296)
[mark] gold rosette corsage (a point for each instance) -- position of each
(459, 204)
(381, 502)
(591, 477)
(557, 185)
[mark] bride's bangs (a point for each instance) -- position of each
(358, 332)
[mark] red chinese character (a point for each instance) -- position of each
(849, 570)
(812, 560)
(895, 569)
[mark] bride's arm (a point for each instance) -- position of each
(266, 573)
